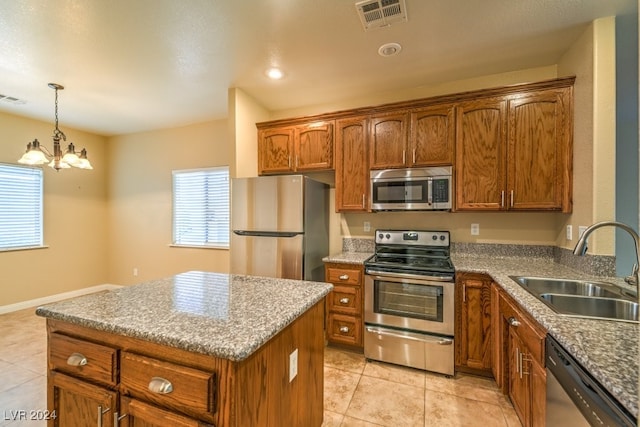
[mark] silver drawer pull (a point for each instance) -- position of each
(514, 322)
(101, 412)
(160, 385)
(77, 359)
(344, 277)
(344, 329)
(344, 301)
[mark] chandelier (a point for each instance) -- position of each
(39, 155)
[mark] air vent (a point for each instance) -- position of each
(381, 13)
(11, 99)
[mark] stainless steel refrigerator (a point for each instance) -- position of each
(280, 227)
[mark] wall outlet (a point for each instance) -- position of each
(475, 229)
(135, 271)
(367, 226)
(569, 232)
(581, 230)
(293, 364)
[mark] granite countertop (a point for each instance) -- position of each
(348, 257)
(608, 349)
(227, 316)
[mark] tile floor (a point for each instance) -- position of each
(357, 392)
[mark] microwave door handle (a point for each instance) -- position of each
(430, 191)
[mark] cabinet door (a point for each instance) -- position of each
(134, 413)
(481, 154)
(538, 145)
(275, 150)
(432, 136)
(518, 380)
(389, 141)
(314, 147)
(80, 404)
(352, 166)
(475, 323)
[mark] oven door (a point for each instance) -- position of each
(409, 302)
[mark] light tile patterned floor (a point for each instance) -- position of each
(357, 392)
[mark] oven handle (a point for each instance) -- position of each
(411, 336)
(383, 275)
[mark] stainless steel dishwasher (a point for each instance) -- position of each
(574, 398)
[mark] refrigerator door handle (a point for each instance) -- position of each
(267, 233)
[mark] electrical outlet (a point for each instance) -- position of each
(293, 364)
(475, 229)
(569, 232)
(581, 230)
(367, 226)
(135, 271)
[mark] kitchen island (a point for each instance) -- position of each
(193, 349)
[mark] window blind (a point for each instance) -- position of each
(201, 207)
(20, 207)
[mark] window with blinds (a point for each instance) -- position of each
(201, 207)
(20, 207)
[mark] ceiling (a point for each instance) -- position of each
(130, 66)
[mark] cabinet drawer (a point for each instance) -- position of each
(183, 389)
(345, 299)
(343, 276)
(94, 362)
(345, 329)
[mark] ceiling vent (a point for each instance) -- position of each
(381, 13)
(11, 99)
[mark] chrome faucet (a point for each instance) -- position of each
(581, 249)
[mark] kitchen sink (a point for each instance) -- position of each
(583, 298)
(607, 308)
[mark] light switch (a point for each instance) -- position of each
(475, 229)
(569, 232)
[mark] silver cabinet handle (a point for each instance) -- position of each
(117, 418)
(404, 156)
(344, 277)
(464, 293)
(363, 200)
(511, 198)
(502, 199)
(101, 412)
(160, 385)
(77, 359)
(514, 322)
(414, 155)
(344, 329)
(344, 301)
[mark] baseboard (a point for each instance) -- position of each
(53, 298)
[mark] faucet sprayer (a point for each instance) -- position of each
(581, 248)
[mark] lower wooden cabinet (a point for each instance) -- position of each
(140, 414)
(522, 342)
(344, 305)
(473, 323)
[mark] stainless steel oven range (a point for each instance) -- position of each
(409, 304)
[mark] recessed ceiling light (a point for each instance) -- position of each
(275, 73)
(389, 49)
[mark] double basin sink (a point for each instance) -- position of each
(581, 298)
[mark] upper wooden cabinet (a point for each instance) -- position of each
(388, 140)
(515, 152)
(432, 137)
(307, 147)
(352, 166)
(423, 137)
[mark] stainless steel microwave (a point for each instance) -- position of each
(415, 189)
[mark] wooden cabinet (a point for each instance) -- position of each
(344, 305)
(125, 381)
(388, 135)
(481, 154)
(521, 341)
(540, 151)
(423, 137)
(515, 152)
(473, 323)
(307, 147)
(432, 136)
(352, 165)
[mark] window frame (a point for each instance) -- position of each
(36, 212)
(174, 229)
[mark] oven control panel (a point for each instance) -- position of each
(412, 237)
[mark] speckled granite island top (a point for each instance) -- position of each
(222, 315)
